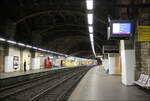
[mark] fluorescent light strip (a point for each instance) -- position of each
(91, 35)
(50, 51)
(10, 41)
(91, 29)
(91, 38)
(40, 49)
(44, 50)
(92, 45)
(89, 4)
(2, 39)
(28, 46)
(90, 18)
(34, 47)
(21, 44)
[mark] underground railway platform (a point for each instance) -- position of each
(74, 50)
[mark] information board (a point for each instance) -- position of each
(121, 28)
(143, 33)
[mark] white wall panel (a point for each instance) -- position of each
(9, 64)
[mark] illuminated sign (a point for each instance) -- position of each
(121, 28)
(143, 33)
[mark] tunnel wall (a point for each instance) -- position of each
(142, 49)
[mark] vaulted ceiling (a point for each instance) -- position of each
(59, 25)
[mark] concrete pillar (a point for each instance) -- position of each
(114, 63)
(21, 59)
(127, 62)
(106, 66)
(25, 55)
(36, 63)
(1, 57)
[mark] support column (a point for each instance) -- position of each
(1, 57)
(127, 62)
(106, 66)
(114, 63)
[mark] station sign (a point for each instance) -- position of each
(110, 49)
(143, 33)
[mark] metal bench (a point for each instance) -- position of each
(143, 81)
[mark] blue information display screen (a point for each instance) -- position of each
(121, 28)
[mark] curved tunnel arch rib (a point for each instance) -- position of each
(82, 26)
(54, 37)
(76, 32)
(43, 32)
(49, 11)
(84, 53)
(82, 38)
(78, 52)
(67, 44)
(52, 27)
(87, 41)
(96, 44)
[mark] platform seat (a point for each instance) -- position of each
(143, 81)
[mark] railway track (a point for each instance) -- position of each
(58, 91)
(28, 81)
(29, 84)
(35, 91)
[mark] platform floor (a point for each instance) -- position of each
(19, 73)
(98, 86)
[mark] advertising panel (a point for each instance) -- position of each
(15, 62)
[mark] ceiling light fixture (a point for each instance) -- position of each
(91, 37)
(34, 47)
(21, 44)
(90, 29)
(10, 41)
(28, 46)
(89, 4)
(2, 39)
(90, 18)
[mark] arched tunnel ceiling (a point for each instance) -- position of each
(59, 25)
